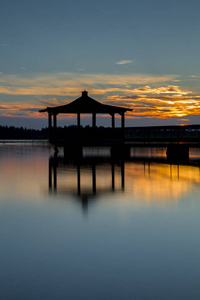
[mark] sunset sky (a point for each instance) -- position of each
(142, 55)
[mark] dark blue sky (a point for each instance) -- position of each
(52, 50)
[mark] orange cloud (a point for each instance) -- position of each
(170, 89)
(159, 106)
(148, 96)
(20, 109)
(67, 84)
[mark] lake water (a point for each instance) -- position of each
(98, 229)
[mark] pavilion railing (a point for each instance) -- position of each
(129, 135)
(86, 136)
(163, 134)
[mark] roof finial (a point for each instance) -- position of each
(84, 94)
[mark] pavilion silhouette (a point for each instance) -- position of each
(177, 139)
(80, 137)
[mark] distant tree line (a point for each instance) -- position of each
(10, 133)
(20, 133)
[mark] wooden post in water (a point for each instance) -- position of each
(78, 179)
(50, 173)
(94, 178)
(113, 175)
(123, 125)
(178, 152)
(122, 173)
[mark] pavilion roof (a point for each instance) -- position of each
(85, 105)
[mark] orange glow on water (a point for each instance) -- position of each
(160, 183)
(144, 183)
(148, 184)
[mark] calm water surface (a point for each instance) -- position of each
(99, 229)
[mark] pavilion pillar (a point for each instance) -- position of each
(55, 129)
(49, 118)
(122, 125)
(123, 120)
(78, 120)
(113, 120)
(94, 120)
(50, 125)
(54, 121)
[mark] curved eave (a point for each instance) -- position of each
(102, 110)
(85, 105)
(48, 109)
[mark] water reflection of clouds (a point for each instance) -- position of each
(148, 152)
(23, 177)
(67, 179)
(160, 183)
(26, 177)
(147, 182)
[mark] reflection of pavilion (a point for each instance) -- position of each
(88, 178)
(75, 186)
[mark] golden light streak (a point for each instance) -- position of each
(148, 96)
(163, 183)
(67, 84)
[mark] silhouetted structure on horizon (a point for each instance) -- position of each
(178, 139)
(85, 105)
(87, 136)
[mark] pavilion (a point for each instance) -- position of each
(85, 105)
(74, 139)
